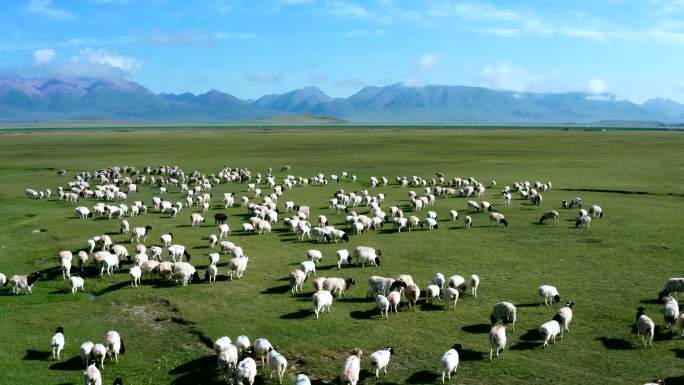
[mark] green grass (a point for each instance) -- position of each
(609, 270)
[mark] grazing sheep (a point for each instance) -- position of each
(382, 303)
(468, 222)
(76, 283)
(223, 231)
(277, 363)
(178, 251)
(82, 258)
(109, 262)
(115, 345)
(261, 347)
(322, 300)
(308, 267)
(296, 278)
(439, 280)
(582, 213)
(135, 272)
(213, 240)
(364, 254)
(99, 353)
(448, 364)
(314, 255)
(670, 311)
(498, 218)
(432, 292)
(125, 227)
(338, 285)
(86, 351)
(457, 282)
(596, 211)
(551, 214)
(504, 312)
(453, 214)
(564, 317)
(343, 258)
(351, 368)
(57, 343)
(221, 344)
(548, 293)
(92, 375)
(65, 258)
(672, 287)
(23, 282)
(451, 295)
(584, 220)
(380, 359)
(196, 219)
(379, 285)
(140, 232)
(549, 331)
(237, 266)
(394, 299)
(474, 284)
(227, 360)
(412, 294)
(167, 239)
(245, 372)
(186, 272)
(242, 343)
(302, 379)
(497, 339)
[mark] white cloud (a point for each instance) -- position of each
(506, 77)
(347, 9)
(597, 85)
(296, 2)
(43, 56)
(429, 60)
(43, 7)
(361, 33)
(102, 57)
(235, 36)
(265, 77)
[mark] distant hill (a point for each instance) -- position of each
(92, 99)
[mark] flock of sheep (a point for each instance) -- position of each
(237, 361)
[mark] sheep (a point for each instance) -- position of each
(457, 282)
(213, 240)
(149, 266)
(85, 352)
(448, 364)
(296, 278)
(498, 218)
(237, 266)
(227, 360)
(451, 295)
(226, 246)
(178, 251)
(473, 206)
(277, 363)
(322, 300)
(115, 345)
(343, 258)
(576, 202)
(308, 267)
(166, 239)
(497, 339)
(380, 359)
(549, 331)
(99, 353)
(582, 213)
(83, 213)
(504, 312)
(548, 293)
(338, 285)
(156, 252)
(135, 272)
(92, 375)
(596, 211)
(302, 379)
(584, 220)
(76, 283)
(432, 292)
(351, 368)
(196, 219)
(453, 215)
(379, 285)
(413, 294)
(382, 303)
(125, 227)
(261, 347)
(242, 343)
(314, 255)
(214, 258)
(121, 252)
(223, 231)
(672, 287)
(468, 221)
(364, 254)
(220, 218)
(431, 223)
(246, 371)
(670, 311)
(474, 284)
(564, 317)
(140, 232)
(221, 344)
(82, 258)
(109, 262)
(394, 299)
(186, 272)
(65, 258)
(57, 343)
(23, 282)
(551, 214)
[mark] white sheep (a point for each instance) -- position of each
(551, 214)
(382, 303)
(314, 255)
(57, 343)
(92, 375)
(322, 300)
(584, 220)
(135, 272)
(549, 331)
(115, 345)
(65, 258)
(474, 284)
(451, 296)
(85, 352)
(237, 266)
(548, 293)
(564, 317)
(196, 219)
(222, 343)
(432, 292)
(242, 343)
(379, 285)
(453, 215)
(308, 267)
(99, 353)
(504, 312)
(296, 278)
(439, 280)
(596, 211)
(223, 231)
(125, 227)
(178, 251)
(364, 255)
(213, 240)
(76, 283)
(246, 371)
(302, 379)
(380, 359)
(497, 339)
(672, 287)
(261, 347)
(468, 222)
(227, 360)
(351, 368)
(343, 258)
(448, 364)
(140, 233)
(166, 239)
(338, 285)
(277, 363)
(186, 272)
(497, 218)
(670, 311)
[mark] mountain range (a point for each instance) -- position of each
(59, 98)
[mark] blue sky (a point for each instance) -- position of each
(634, 49)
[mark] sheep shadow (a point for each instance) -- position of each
(679, 352)
(477, 329)
(531, 304)
(299, 314)
(662, 334)
(200, 247)
(111, 288)
(364, 314)
(651, 301)
(198, 371)
(471, 355)
(531, 335)
(423, 377)
(324, 268)
(526, 345)
(277, 290)
(679, 380)
(36, 355)
(429, 306)
(73, 363)
(615, 343)
(354, 299)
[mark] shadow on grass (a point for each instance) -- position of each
(531, 304)
(423, 377)
(615, 343)
(679, 352)
(471, 355)
(36, 355)
(526, 345)
(679, 380)
(111, 288)
(277, 290)
(431, 307)
(73, 363)
(364, 314)
(651, 301)
(531, 335)
(355, 299)
(477, 329)
(198, 371)
(299, 314)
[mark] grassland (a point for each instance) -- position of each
(609, 270)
